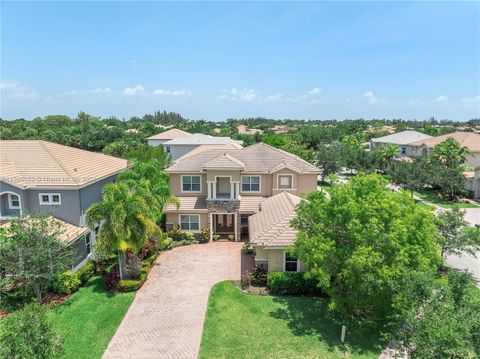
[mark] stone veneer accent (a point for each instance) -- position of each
(216, 206)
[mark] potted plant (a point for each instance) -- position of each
(216, 237)
(231, 237)
(247, 248)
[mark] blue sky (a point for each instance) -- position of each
(219, 60)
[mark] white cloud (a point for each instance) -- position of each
(233, 94)
(137, 90)
(315, 91)
(273, 98)
(175, 93)
(94, 92)
(372, 99)
(15, 91)
(440, 99)
(471, 99)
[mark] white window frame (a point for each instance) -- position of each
(285, 263)
(10, 201)
(50, 199)
(88, 247)
(284, 175)
(190, 215)
(181, 184)
(259, 183)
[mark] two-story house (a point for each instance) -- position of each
(39, 176)
(178, 142)
(250, 193)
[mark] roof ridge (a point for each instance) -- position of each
(43, 143)
(283, 152)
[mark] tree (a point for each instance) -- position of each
(446, 164)
(126, 220)
(412, 175)
(29, 333)
(362, 240)
(32, 252)
(386, 154)
(455, 236)
(328, 160)
(445, 323)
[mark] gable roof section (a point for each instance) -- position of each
(200, 139)
(170, 134)
(271, 226)
(41, 164)
(402, 138)
(257, 158)
(203, 148)
(188, 204)
(224, 161)
(467, 139)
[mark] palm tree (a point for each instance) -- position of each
(450, 153)
(126, 220)
(387, 153)
(151, 182)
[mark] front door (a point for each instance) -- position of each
(224, 223)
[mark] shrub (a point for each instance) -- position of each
(129, 285)
(164, 243)
(205, 234)
(66, 283)
(292, 283)
(184, 242)
(245, 280)
(231, 237)
(147, 250)
(216, 237)
(259, 276)
(148, 261)
(28, 333)
(247, 248)
(86, 272)
(189, 236)
(176, 233)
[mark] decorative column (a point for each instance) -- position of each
(209, 189)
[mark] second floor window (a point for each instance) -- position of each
(250, 183)
(50, 198)
(190, 183)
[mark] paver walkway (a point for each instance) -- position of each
(166, 318)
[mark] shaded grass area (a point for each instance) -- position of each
(239, 325)
(431, 196)
(89, 318)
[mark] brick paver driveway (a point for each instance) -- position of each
(166, 318)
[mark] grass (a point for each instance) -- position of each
(89, 318)
(239, 325)
(432, 197)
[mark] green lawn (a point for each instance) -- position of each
(239, 325)
(432, 197)
(89, 318)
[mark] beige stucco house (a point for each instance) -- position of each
(250, 193)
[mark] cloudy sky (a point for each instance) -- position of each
(214, 61)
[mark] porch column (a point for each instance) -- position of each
(211, 226)
(231, 190)
(235, 224)
(209, 189)
(214, 190)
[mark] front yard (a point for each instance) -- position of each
(432, 197)
(238, 325)
(89, 318)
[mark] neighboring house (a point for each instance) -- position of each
(225, 189)
(39, 176)
(470, 140)
(472, 182)
(181, 142)
(387, 129)
(161, 138)
(282, 129)
(402, 140)
(244, 130)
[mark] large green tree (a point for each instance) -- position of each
(32, 253)
(127, 221)
(362, 240)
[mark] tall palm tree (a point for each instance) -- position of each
(387, 153)
(151, 182)
(126, 220)
(450, 152)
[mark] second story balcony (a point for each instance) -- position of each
(223, 189)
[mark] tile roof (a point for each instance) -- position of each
(402, 138)
(250, 204)
(467, 139)
(200, 139)
(170, 134)
(203, 148)
(45, 164)
(224, 161)
(69, 233)
(188, 204)
(271, 226)
(257, 158)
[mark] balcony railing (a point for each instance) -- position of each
(214, 193)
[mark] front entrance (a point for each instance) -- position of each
(223, 225)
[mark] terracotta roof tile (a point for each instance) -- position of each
(170, 135)
(188, 204)
(466, 139)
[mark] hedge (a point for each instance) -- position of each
(292, 283)
(66, 283)
(86, 271)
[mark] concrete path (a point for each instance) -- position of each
(166, 318)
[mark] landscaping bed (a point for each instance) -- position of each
(432, 197)
(239, 325)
